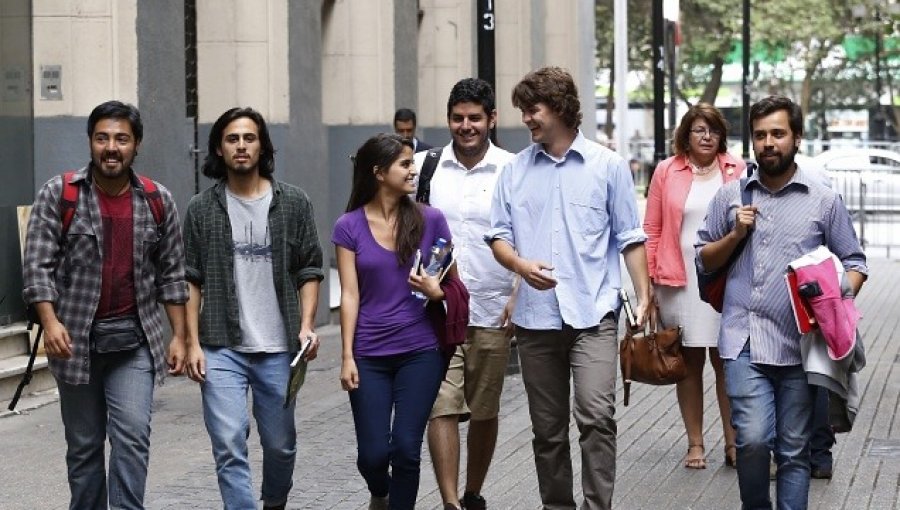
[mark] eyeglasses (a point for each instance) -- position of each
(702, 132)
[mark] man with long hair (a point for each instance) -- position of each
(254, 260)
(563, 211)
(103, 251)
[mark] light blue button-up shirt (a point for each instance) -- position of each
(790, 222)
(577, 213)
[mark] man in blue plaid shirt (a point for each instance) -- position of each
(96, 283)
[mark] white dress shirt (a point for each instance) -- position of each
(464, 196)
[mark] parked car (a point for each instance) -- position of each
(867, 179)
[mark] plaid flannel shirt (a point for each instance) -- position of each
(68, 274)
(296, 258)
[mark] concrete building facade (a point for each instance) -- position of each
(326, 74)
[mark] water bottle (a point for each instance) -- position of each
(438, 252)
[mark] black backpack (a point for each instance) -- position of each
(423, 193)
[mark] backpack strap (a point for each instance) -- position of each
(154, 199)
(68, 201)
(423, 193)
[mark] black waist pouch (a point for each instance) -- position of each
(116, 334)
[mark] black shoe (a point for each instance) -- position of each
(821, 473)
(450, 506)
(276, 507)
(472, 501)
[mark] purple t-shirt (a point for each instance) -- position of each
(391, 320)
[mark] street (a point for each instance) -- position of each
(651, 442)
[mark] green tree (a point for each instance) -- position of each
(708, 28)
(639, 40)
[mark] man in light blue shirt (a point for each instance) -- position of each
(563, 210)
(791, 214)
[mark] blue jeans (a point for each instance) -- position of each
(406, 384)
(822, 435)
(116, 402)
(229, 375)
(771, 409)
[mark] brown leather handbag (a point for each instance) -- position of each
(651, 357)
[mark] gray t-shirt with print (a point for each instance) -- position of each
(262, 327)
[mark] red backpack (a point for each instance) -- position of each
(68, 201)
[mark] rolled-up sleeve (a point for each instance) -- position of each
(309, 252)
(842, 240)
(170, 265)
(42, 246)
(501, 213)
(623, 212)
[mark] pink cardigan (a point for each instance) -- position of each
(669, 189)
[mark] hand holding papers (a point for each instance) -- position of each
(298, 373)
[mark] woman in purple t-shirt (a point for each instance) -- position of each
(391, 363)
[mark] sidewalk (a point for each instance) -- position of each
(651, 442)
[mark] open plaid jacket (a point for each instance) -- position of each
(296, 259)
(68, 273)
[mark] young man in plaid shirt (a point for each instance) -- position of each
(254, 260)
(96, 282)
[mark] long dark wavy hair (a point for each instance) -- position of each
(214, 165)
(380, 152)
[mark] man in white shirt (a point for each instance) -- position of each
(461, 186)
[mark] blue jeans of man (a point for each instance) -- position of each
(229, 376)
(116, 402)
(771, 410)
(406, 384)
(822, 435)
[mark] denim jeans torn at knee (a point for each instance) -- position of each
(771, 410)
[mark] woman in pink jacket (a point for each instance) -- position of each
(680, 192)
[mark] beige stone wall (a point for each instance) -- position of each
(513, 42)
(446, 54)
(95, 42)
(14, 62)
(448, 49)
(358, 62)
(561, 35)
(242, 57)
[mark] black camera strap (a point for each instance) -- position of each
(26, 378)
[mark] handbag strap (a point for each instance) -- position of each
(626, 366)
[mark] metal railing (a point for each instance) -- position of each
(873, 199)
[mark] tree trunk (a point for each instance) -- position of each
(715, 81)
(809, 72)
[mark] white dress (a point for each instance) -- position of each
(682, 305)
